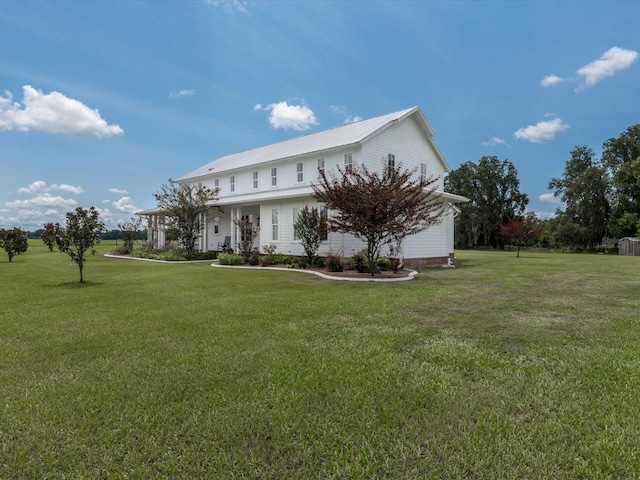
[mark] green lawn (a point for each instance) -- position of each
(503, 367)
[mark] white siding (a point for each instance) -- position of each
(411, 148)
(430, 243)
(286, 242)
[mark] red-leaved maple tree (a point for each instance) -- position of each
(522, 230)
(380, 208)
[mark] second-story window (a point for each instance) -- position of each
(255, 179)
(232, 183)
(300, 171)
(423, 172)
(320, 166)
(391, 160)
(348, 159)
(216, 183)
(274, 176)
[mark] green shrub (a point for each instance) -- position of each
(349, 264)
(360, 262)
(231, 259)
(383, 263)
(205, 255)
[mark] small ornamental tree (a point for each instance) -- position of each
(380, 209)
(80, 235)
(310, 227)
(185, 207)
(522, 230)
(248, 234)
(48, 235)
(128, 233)
(13, 241)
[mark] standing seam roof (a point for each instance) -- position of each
(340, 136)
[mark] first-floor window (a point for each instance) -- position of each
(274, 224)
(296, 214)
(324, 215)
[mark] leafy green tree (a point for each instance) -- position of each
(13, 241)
(625, 225)
(585, 189)
(493, 188)
(621, 156)
(380, 209)
(310, 228)
(80, 235)
(186, 207)
(48, 235)
(522, 230)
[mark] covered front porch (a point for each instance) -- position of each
(219, 226)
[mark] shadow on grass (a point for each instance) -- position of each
(75, 285)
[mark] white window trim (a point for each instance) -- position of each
(295, 215)
(299, 172)
(275, 230)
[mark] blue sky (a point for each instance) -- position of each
(101, 102)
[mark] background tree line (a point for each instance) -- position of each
(601, 197)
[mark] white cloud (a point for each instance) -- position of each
(52, 112)
(541, 131)
(550, 80)
(44, 200)
(612, 61)
(230, 5)
(493, 142)
(117, 190)
(125, 204)
(549, 198)
(68, 188)
(41, 186)
(545, 215)
(341, 110)
(295, 117)
(36, 186)
(182, 93)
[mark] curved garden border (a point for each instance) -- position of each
(410, 276)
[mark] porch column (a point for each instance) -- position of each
(204, 244)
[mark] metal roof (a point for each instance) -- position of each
(342, 136)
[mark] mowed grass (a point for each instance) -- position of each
(503, 367)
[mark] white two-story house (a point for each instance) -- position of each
(269, 185)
